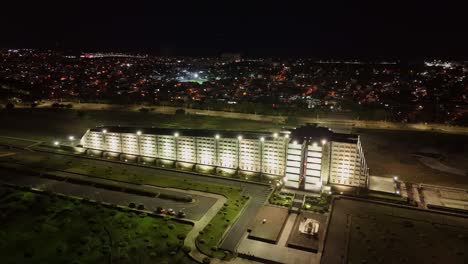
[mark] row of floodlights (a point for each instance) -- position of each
(217, 136)
(323, 141)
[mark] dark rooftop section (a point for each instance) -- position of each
(308, 132)
(190, 132)
(313, 132)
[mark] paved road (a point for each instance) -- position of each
(194, 210)
(258, 197)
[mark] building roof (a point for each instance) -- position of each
(308, 132)
(312, 132)
(190, 132)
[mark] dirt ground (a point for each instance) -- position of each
(390, 153)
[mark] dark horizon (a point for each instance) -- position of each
(415, 31)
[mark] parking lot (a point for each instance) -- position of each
(194, 210)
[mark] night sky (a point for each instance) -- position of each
(323, 29)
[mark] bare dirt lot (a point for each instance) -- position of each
(390, 153)
(365, 232)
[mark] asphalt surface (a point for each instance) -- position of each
(258, 197)
(194, 210)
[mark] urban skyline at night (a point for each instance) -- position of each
(233, 133)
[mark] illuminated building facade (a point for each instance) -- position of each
(307, 158)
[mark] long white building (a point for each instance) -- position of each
(306, 158)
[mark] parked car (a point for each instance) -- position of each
(160, 210)
(181, 214)
(141, 207)
(131, 205)
(171, 211)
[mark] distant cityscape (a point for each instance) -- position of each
(426, 91)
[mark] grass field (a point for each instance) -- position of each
(51, 124)
(389, 153)
(210, 237)
(44, 228)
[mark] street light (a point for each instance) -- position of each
(395, 178)
(275, 135)
(262, 139)
(239, 137)
(104, 131)
(139, 133)
(71, 138)
(217, 136)
(56, 143)
(176, 134)
(324, 141)
(286, 136)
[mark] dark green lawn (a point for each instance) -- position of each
(40, 228)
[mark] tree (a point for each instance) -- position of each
(10, 106)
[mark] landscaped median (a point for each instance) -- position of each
(208, 239)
